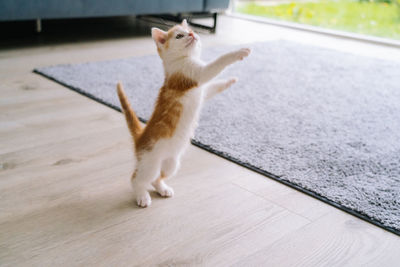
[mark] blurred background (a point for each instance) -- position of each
(370, 17)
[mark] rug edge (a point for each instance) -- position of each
(355, 213)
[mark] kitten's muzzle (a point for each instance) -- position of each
(191, 40)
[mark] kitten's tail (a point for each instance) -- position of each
(131, 119)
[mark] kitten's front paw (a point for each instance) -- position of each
(242, 53)
(143, 200)
(227, 84)
(231, 81)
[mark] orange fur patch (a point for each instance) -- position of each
(167, 112)
(170, 34)
(159, 179)
(132, 120)
(134, 174)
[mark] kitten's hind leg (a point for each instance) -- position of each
(141, 179)
(215, 87)
(168, 168)
(162, 188)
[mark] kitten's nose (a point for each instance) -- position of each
(191, 34)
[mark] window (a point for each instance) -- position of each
(369, 17)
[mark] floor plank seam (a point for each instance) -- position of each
(271, 201)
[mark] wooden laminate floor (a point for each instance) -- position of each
(65, 162)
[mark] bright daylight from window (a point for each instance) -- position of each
(369, 17)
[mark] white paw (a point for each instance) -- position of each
(143, 200)
(242, 53)
(231, 81)
(227, 84)
(165, 191)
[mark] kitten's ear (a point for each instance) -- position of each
(184, 23)
(158, 35)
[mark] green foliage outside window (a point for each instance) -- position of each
(372, 17)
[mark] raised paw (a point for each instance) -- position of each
(143, 200)
(227, 84)
(231, 81)
(242, 53)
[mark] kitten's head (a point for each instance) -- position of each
(179, 41)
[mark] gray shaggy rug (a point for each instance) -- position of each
(324, 122)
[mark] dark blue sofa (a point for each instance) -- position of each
(60, 9)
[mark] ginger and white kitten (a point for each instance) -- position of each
(160, 145)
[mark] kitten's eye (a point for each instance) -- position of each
(179, 36)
